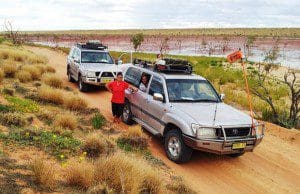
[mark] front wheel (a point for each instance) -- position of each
(83, 87)
(175, 147)
(127, 115)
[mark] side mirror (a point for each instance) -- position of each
(158, 97)
(222, 96)
(76, 60)
(120, 62)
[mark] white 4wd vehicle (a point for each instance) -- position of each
(90, 64)
(187, 111)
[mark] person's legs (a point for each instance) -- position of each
(114, 108)
(120, 108)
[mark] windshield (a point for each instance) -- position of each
(96, 57)
(190, 90)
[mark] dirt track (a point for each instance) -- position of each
(274, 167)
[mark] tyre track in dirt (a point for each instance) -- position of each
(274, 167)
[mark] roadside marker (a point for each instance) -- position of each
(231, 59)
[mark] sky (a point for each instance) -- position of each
(148, 14)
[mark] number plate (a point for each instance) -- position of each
(106, 80)
(238, 146)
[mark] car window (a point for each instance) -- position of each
(133, 76)
(144, 82)
(71, 54)
(96, 57)
(76, 54)
(156, 86)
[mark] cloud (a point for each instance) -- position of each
(108, 14)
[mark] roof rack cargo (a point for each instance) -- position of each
(166, 65)
(169, 65)
(92, 44)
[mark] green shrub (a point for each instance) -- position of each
(98, 121)
(57, 145)
(4, 108)
(22, 105)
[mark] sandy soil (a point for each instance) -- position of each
(274, 167)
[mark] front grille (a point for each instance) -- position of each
(107, 74)
(235, 132)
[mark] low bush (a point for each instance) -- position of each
(66, 121)
(46, 115)
(13, 119)
(9, 70)
(23, 76)
(50, 69)
(75, 103)
(95, 145)
(44, 173)
(98, 120)
(80, 174)
(100, 189)
(127, 174)
(5, 108)
(52, 80)
(8, 91)
(180, 187)
(51, 95)
(2, 75)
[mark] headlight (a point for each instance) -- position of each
(90, 74)
(203, 132)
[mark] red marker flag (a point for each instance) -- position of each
(234, 56)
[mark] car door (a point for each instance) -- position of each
(76, 63)
(154, 110)
(133, 77)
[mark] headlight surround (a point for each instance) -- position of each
(258, 130)
(203, 132)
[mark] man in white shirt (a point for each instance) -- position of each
(144, 83)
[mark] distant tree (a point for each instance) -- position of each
(137, 40)
(164, 46)
(261, 87)
(11, 33)
(290, 79)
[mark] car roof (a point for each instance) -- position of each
(168, 75)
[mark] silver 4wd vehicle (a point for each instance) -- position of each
(187, 111)
(90, 64)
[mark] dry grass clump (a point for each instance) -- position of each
(134, 137)
(9, 70)
(50, 69)
(180, 187)
(34, 70)
(52, 80)
(44, 173)
(13, 119)
(95, 145)
(75, 103)
(52, 95)
(2, 75)
(66, 121)
(80, 174)
(100, 189)
(23, 76)
(127, 174)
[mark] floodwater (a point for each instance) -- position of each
(288, 48)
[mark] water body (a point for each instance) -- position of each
(288, 48)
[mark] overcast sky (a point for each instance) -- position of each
(120, 14)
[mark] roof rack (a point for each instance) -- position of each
(92, 44)
(166, 65)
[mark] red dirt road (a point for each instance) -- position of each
(274, 167)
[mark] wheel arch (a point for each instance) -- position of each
(169, 127)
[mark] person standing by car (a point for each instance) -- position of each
(117, 88)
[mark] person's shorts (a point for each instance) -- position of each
(117, 109)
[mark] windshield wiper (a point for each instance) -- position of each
(207, 100)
